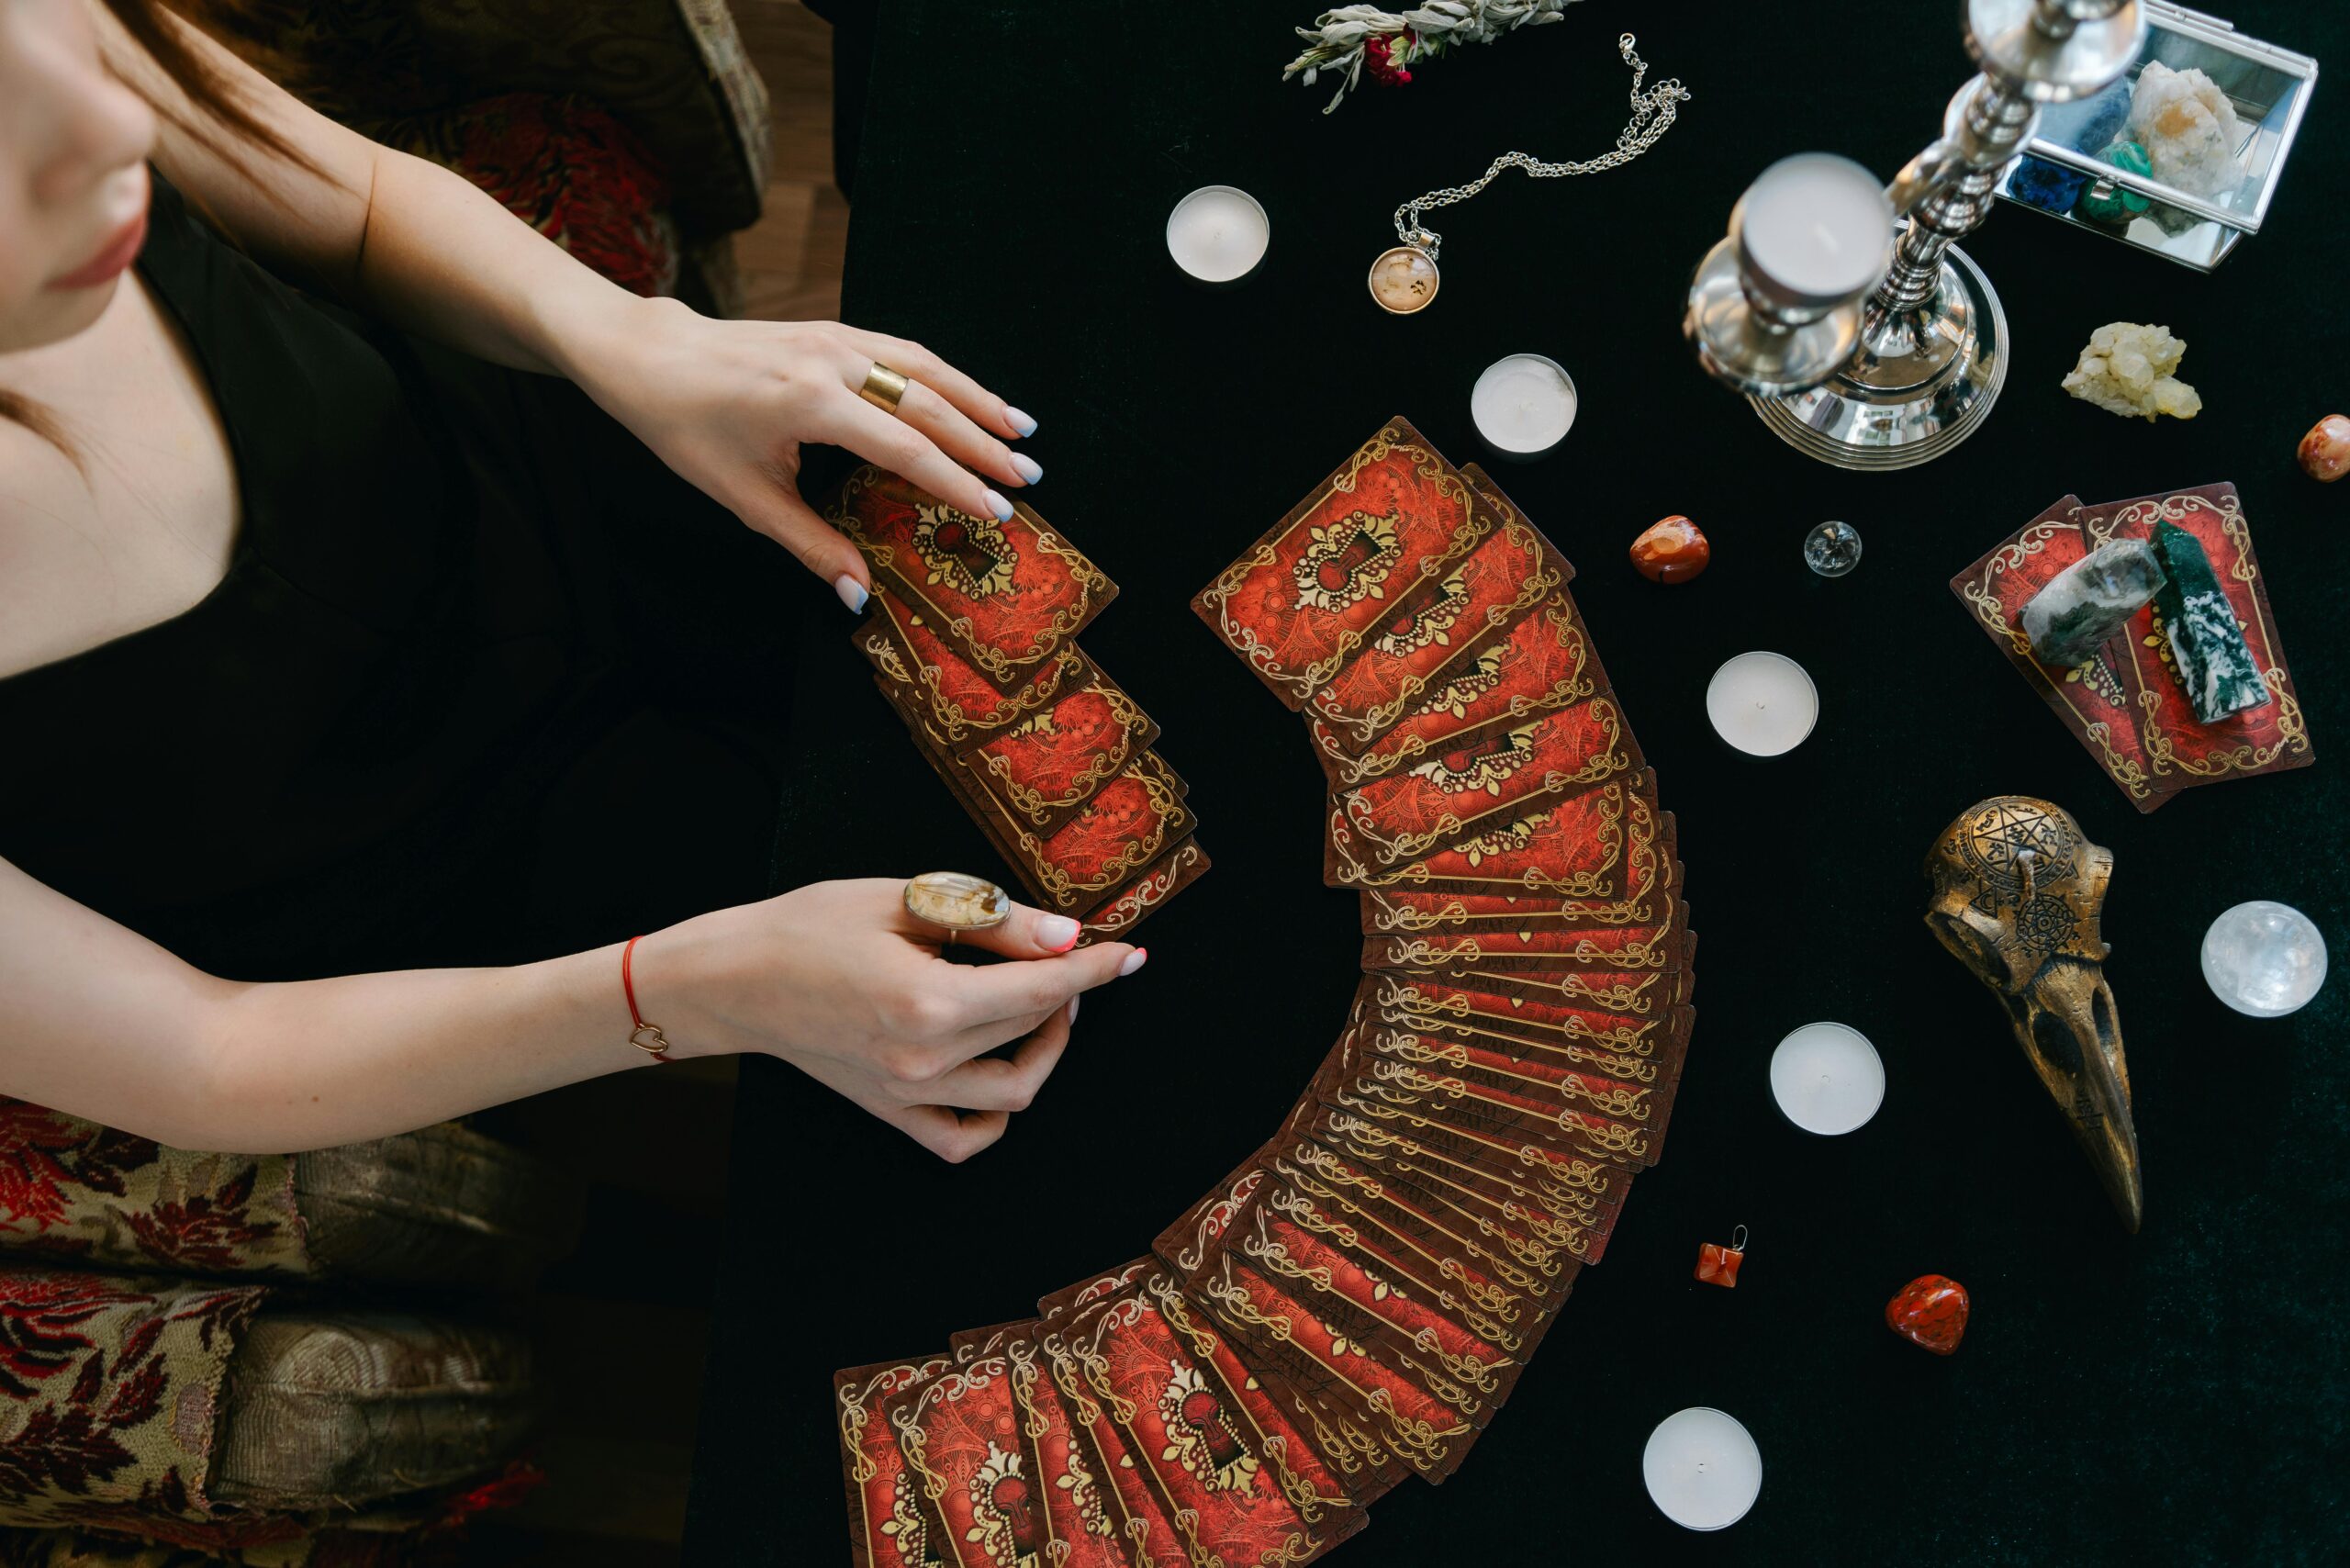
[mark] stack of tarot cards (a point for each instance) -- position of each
(972, 639)
(1353, 1303)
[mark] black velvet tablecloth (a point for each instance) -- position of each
(2176, 1396)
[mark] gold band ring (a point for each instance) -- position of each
(957, 903)
(883, 388)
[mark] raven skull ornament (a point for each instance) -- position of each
(2018, 890)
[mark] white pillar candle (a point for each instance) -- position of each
(1218, 234)
(1523, 405)
(1763, 703)
(1702, 1468)
(1817, 224)
(1828, 1078)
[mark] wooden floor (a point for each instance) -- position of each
(622, 1326)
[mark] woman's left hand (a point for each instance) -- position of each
(727, 404)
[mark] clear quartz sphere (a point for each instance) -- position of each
(2263, 958)
(1832, 549)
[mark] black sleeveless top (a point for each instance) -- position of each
(400, 729)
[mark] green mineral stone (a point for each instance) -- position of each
(2215, 668)
(2109, 202)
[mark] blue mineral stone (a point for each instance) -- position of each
(2051, 187)
(2215, 668)
(2100, 119)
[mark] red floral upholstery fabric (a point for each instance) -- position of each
(70, 1189)
(568, 169)
(108, 1394)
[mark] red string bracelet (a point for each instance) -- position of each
(646, 1037)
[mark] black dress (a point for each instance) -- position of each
(483, 682)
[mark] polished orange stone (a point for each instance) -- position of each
(1931, 1310)
(2325, 451)
(1671, 551)
(1718, 1265)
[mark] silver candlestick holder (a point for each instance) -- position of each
(1896, 368)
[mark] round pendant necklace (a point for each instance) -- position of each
(1404, 279)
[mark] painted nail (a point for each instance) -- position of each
(1135, 961)
(1001, 508)
(1072, 1009)
(852, 592)
(1024, 423)
(1028, 467)
(1057, 933)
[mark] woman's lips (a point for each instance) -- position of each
(118, 253)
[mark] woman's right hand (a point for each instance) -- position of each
(838, 979)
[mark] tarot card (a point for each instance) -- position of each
(1411, 1098)
(1558, 1175)
(1169, 875)
(964, 1437)
(1319, 1488)
(1570, 847)
(1193, 1439)
(1305, 596)
(1006, 596)
(1094, 1287)
(1642, 993)
(1130, 823)
(1042, 770)
(1515, 1178)
(1142, 1524)
(1476, 958)
(1541, 661)
(892, 1524)
(931, 684)
(1437, 631)
(1461, 796)
(1474, 1234)
(2092, 699)
(1448, 1006)
(1613, 1083)
(1595, 858)
(2180, 749)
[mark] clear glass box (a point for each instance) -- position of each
(2270, 88)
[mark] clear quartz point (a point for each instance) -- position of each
(2089, 601)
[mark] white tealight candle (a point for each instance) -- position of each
(1817, 224)
(1218, 234)
(1702, 1468)
(1828, 1078)
(1523, 405)
(1763, 703)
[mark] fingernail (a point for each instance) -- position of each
(1135, 961)
(1072, 1009)
(1001, 508)
(852, 592)
(1024, 423)
(1057, 932)
(1028, 467)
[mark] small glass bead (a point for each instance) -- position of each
(1832, 549)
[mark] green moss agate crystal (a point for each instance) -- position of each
(2215, 668)
(2089, 601)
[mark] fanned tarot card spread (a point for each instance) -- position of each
(1005, 596)
(2125, 703)
(1305, 597)
(1354, 1303)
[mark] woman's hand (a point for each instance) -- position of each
(727, 404)
(838, 979)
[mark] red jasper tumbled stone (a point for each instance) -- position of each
(1931, 1310)
(1671, 551)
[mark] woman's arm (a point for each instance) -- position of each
(727, 404)
(98, 1021)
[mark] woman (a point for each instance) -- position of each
(324, 648)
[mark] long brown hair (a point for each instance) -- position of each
(223, 123)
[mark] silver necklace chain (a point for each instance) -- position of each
(1652, 115)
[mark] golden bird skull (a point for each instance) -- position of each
(2019, 891)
